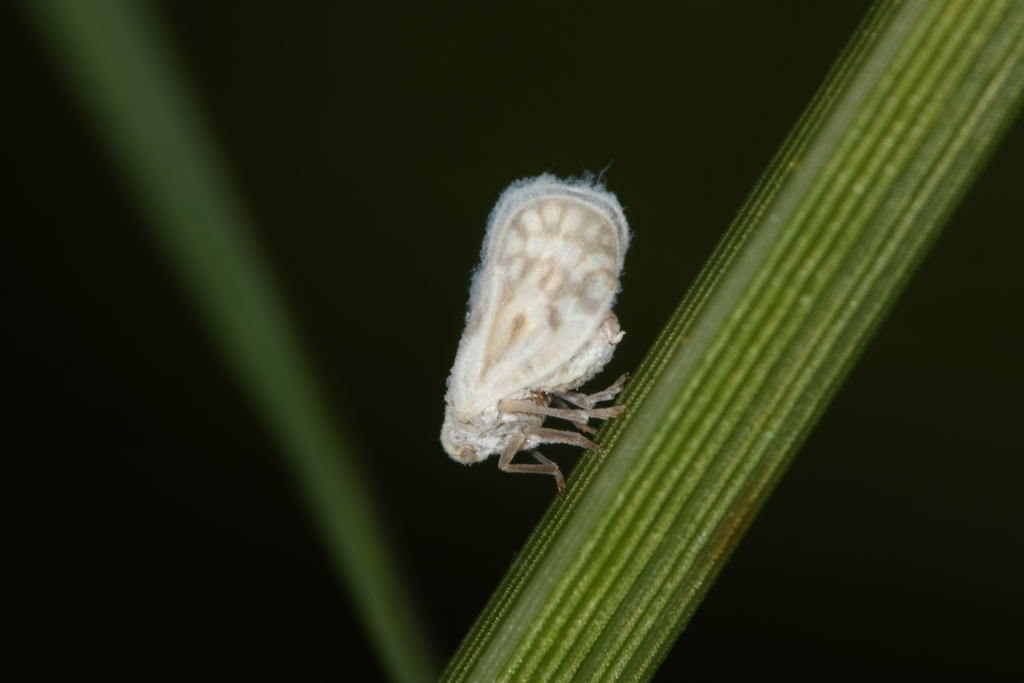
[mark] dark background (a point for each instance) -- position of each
(153, 526)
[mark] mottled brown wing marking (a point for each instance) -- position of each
(514, 242)
(502, 338)
(594, 289)
(555, 278)
(554, 317)
(551, 213)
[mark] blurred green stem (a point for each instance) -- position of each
(757, 347)
(120, 65)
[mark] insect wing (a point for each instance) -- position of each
(554, 273)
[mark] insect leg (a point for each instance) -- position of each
(507, 406)
(545, 435)
(580, 422)
(559, 480)
(545, 467)
(585, 401)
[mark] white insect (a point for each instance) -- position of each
(539, 324)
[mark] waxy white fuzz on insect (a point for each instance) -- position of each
(539, 325)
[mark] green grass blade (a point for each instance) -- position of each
(757, 347)
(120, 65)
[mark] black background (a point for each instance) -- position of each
(154, 527)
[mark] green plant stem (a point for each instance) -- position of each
(757, 347)
(121, 67)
